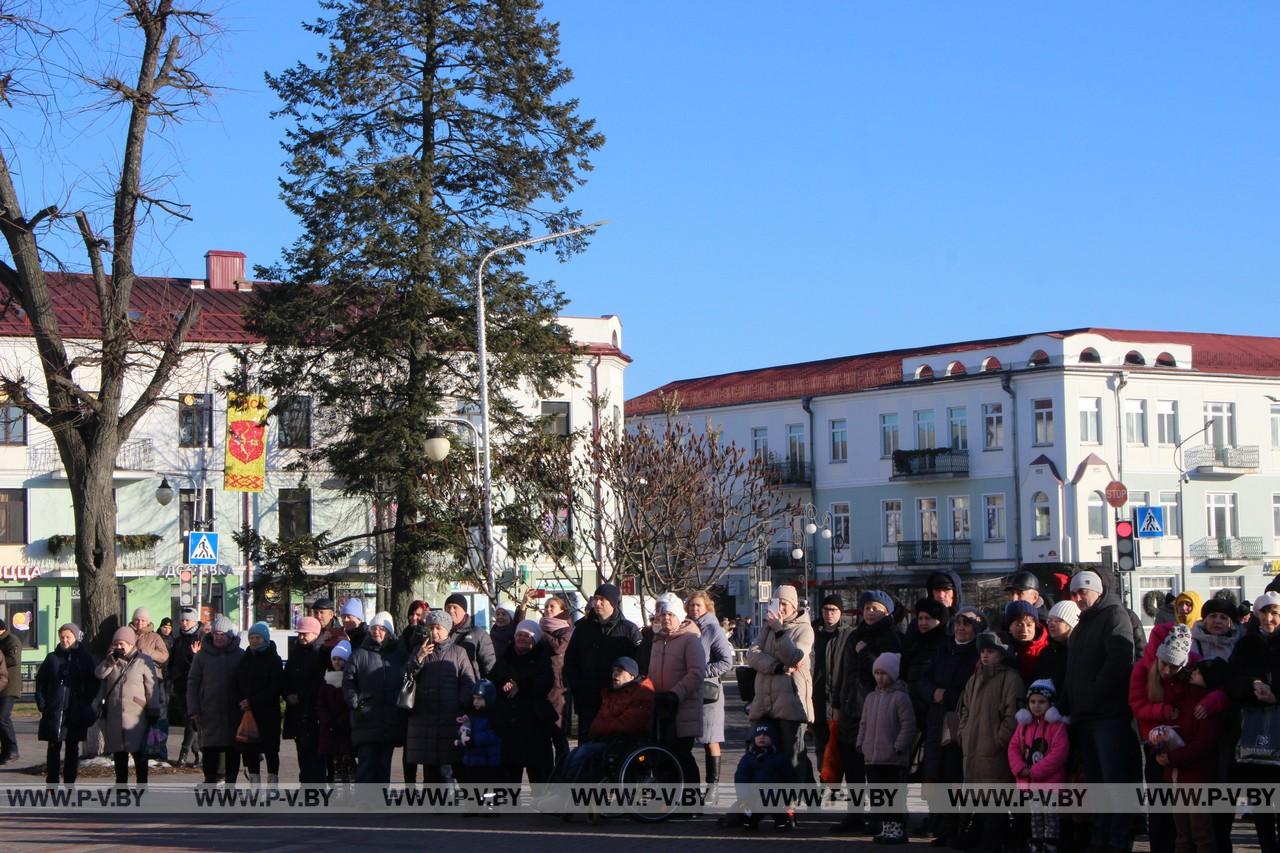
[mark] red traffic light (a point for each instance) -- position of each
(1124, 529)
(185, 576)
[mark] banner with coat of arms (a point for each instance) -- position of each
(246, 465)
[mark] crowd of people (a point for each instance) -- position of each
(1031, 691)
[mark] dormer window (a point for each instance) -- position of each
(955, 368)
(1039, 358)
(1090, 356)
(990, 364)
(924, 371)
(1165, 360)
(1134, 357)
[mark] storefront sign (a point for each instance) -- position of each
(175, 571)
(19, 573)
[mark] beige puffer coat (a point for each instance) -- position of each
(678, 664)
(129, 686)
(990, 700)
(780, 696)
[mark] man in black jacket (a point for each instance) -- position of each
(829, 633)
(599, 638)
(473, 640)
(186, 642)
(1096, 696)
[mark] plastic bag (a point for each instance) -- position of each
(248, 730)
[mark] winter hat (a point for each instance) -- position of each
(353, 607)
(991, 640)
(342, 649)
(262, 629)
(610, 593)
(939, 580)
(166, 621)
(1214, 671)
(1086, 580)
(764, 727)
(1176, 647)
(1265, 600)
(1040, 687)
(382, 619)
(531, 628)
(669, 602)
(439, 617)
(223, 625)
(141, 613)
(322, 604)
(190, 613)
(974, 615)
(73, 628)
(628, 665)
(458, 599)
(487, 690)
(1220, 605)
(889, 663)
(509, 609)
(126, 634)
(833, 600)
(1067, 611)
(936, 609)
(787, 593)
(308, 625)
(876, 596)
(1017, 609)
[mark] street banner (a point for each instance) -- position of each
(246, 465)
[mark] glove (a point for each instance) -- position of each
(668, 704)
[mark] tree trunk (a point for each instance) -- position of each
(89, 475)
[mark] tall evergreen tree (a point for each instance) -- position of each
(426, 133)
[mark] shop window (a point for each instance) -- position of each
(19, 611)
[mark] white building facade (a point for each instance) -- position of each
(989, 456)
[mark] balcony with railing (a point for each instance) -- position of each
(1227, 551)
(135, 457)
(938, 463)
(791, 472)
(1210, 461)
(930, 552)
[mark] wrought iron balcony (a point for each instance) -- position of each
(1230, 548)
(938, 463)
(135, 454)
(927, 552)
(791, 472)
(1208, 459)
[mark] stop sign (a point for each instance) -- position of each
(1117, 494)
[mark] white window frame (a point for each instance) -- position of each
(1097, 515)
(957, 428)
(1090, 420)
(1042, 422)
(1229, 502)
(993, 426)
(840, 523)
(1275, 516)
(760, 442)
(891, 521)
(993, 508)
(890, 437)
(797, 452)
(1172, 517)
(961, 518)
(926, 426)
(1223, 431)
(927, 518)
(839, 439)
(1275, 426)
(1135, 422)
(1041, 516)
(1167, 422)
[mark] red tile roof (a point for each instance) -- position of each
(1238, 354)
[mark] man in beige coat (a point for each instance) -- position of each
(784, 681)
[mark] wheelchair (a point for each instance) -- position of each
(633, 763)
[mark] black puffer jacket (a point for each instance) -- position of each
(65, 690)
(370, 684)
(857, 678)
(949, 671)
(181, 656)
(260, 678)
(1099, 662)
(527, 719)
(588, 661)
(303, 675)
(1256, 657)
(445, 682)
(477, 644)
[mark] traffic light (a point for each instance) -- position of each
(1126, 546)
(186, 594)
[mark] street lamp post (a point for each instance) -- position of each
(813, 523)
(482, 356)
(1182, 479)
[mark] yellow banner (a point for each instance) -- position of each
(246, 466)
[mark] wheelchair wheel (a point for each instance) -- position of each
(651, 765)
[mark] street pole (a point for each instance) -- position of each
(482, 356)
(1182, 516)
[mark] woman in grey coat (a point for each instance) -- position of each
(445, 680)
(129, 682)
(702, 610)
(213, 699)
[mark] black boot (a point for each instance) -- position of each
(713, 779)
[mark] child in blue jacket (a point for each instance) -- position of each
(481, 744)
(762, 763)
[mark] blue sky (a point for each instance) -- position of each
(798, 181)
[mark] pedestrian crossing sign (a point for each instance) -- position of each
(202, 548)
(1150, 521)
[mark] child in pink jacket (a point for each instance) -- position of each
(1038, 754)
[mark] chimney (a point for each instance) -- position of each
(224, 269)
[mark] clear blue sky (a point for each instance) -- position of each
(797, 181)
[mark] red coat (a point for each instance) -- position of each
(627, 710)
(1197, 760)
(334, 719)
(1028, 654)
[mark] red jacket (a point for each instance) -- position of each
(1197, 760)
(626, 710)
(1041, 745)
(1150, 714)
(1028, 654)
(334, 718)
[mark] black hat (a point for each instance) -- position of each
(939, 580)
(1023, 580)
(833, 600)
(1220, 605)
(936, 609)
(1214, 671)
(322, 604)
(458, 599)
(166, 621)
(610, 593)
(991, 640)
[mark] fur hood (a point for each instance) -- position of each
(1025, 717)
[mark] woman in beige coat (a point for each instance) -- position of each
(784, 681)
(129, 686)
(677, 668)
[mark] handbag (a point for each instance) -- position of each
(710, 691)
(408, 692)
(746, 677)
(1259, 741)
(248, 729)
(951, 729)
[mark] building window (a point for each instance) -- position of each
(960, 527)
(1090, 420)
(189, 520)
(555, 417)
(992, 426)
(1223, 518)
(840, 524)
(1222, 586)
(1042, 411)
(958, 428)
(892, 512)
(1097, 514)
(888, 435)
(795, 446)
(13, 425)
(1040, 515)
(1223, 417)
(1275, 425)
(1152, 591)
(1275, 515)
(195, 420)
(294, 509)
(840, 440)
(1172, 515)
(13, 516)
(293, 422)
(927, 513)
(1167, 422)
(926, 433)
(993, 510)
(1137, 499)
(18, 607)
(760, 442)
(1135, 421)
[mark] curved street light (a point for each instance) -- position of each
(1182, 479)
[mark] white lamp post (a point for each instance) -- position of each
(482, 355)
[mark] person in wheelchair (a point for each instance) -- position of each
(762, 763)
(626, 714)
